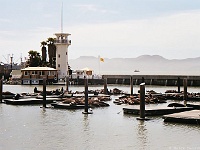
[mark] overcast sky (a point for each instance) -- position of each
(109, 28)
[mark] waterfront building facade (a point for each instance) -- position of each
(35, 75)
(82, 74)
(1, 70)
(62, 43)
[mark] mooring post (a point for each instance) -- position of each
(142, 103)
(44, 92)
(67, 83)
(86, 96)
(142, 100)
(105, 86)
(1, 90)
(185, 90)
(178, 84)
(131, 83)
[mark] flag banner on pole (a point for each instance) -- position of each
(101, 59)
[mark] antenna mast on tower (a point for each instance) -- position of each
(62, 18)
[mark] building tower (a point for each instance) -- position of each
(62, 43)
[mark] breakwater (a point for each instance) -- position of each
(162, 80)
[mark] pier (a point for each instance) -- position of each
(163, 80)
(160, 80)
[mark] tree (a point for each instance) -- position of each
(52, 52)
(44, 51)
(34, 59)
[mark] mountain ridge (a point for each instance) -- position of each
(146, 64)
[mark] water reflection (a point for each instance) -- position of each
(43, 112)
(86, 129)
(142, 135)
(86, 122)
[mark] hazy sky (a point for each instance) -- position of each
(109, 28)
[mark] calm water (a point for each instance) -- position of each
(32, 127)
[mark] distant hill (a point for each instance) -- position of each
(146, 64)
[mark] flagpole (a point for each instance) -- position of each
(99, 63)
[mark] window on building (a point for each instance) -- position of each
(49, 73)
(26, 73)
(66, 53)
(42, 73)
(58, 55)
(34, 72)
(59, 65)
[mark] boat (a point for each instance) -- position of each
(136, 71)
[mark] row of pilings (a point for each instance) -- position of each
(142, 94)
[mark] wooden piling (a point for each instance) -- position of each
(178, 84)
(185, 90)
(67, 83)
(1, 90)
(44, 92)
(142, 100)
(105, 86)
(131, 83)
(86, 96)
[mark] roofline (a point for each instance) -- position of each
(39, 69)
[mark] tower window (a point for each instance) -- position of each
(66, 53)
(58, 65)
(58, 55)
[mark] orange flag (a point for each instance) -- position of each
(101, 59)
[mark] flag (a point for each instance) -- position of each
(101, 59)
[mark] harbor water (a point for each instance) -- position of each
(31, 127)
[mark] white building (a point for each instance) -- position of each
(84, 73)
(62, 43)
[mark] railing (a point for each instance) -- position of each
(63, 41)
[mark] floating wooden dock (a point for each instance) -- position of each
(28, 101)
(189, 117)
(156, 112)
(67, 106)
